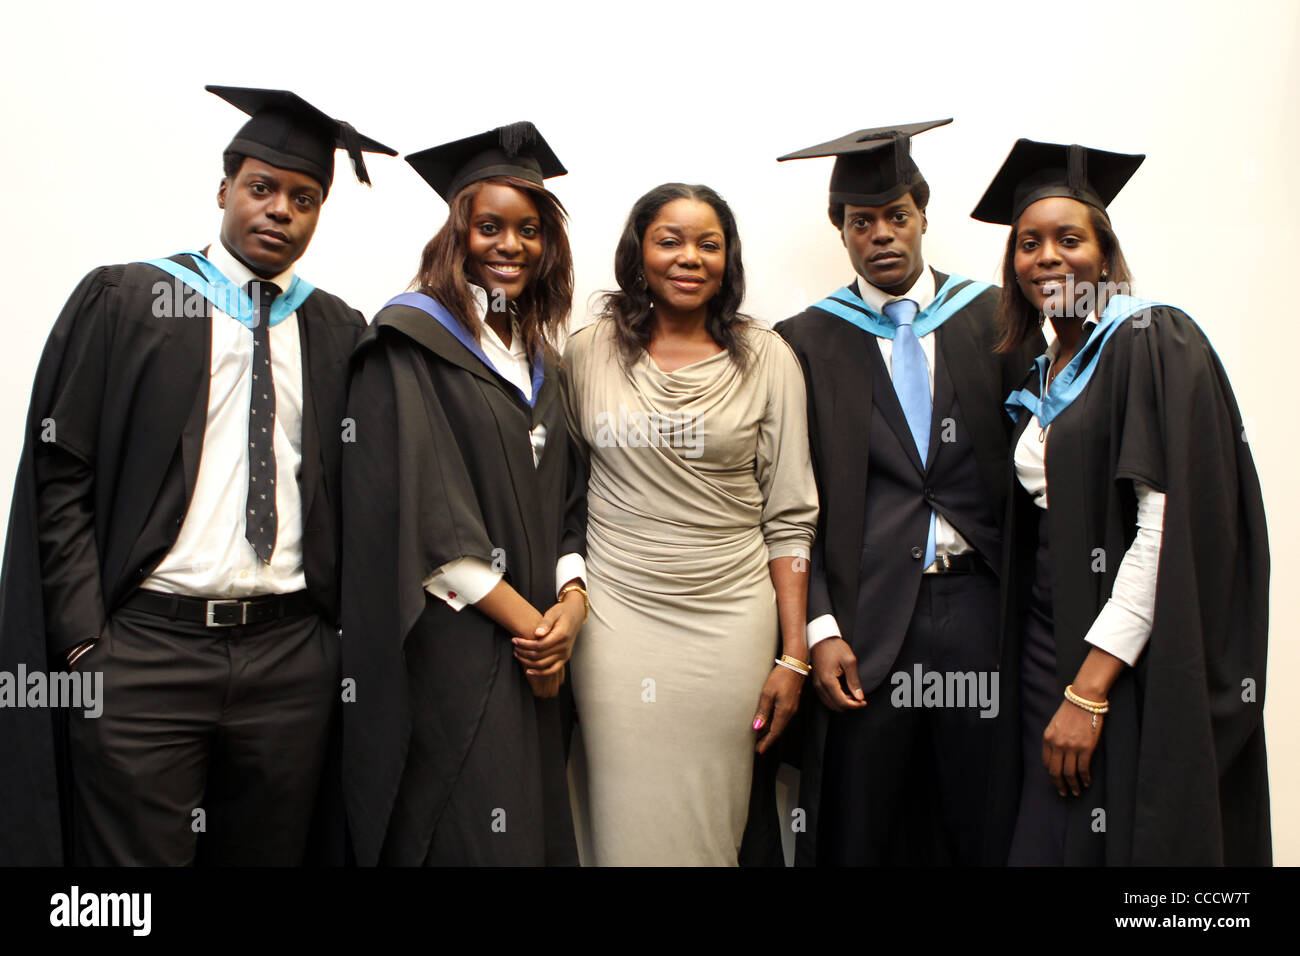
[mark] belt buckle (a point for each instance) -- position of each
(942, 564)
(226, 602)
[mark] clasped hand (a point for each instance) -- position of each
(544, 655)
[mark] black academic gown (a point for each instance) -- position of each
(116, 420)
(1180, 769)
(838, 369)
(449, 758)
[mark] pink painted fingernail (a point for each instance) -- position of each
(758, 722)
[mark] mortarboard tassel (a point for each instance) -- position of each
(516, 136)
(352, 143)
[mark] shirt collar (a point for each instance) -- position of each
(1054, 348)
(921, 292)
(516, 349)
(237, 272)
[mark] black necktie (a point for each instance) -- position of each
(260, 523)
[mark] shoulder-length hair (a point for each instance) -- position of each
(1017, 318)
(630, 307)
(542, 310)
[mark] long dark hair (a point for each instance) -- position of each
(1018, 320)
(543, 308)
(630, 307)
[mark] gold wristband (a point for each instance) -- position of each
(586, 603)
(794, 664)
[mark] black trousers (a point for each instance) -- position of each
(210, 745)
(1039, 838)
(905, 784)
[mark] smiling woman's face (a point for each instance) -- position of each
(684, 256)
(1057, 255)
(505, 240)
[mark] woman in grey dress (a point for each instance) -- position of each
(702, 509)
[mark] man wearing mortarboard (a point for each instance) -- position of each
(910, 446)
(175, 528)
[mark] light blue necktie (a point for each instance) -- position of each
(912, 385)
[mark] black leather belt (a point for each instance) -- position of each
(968, 563)
(222, 612)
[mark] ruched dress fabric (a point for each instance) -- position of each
(699, 477)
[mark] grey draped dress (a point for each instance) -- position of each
(699, 477)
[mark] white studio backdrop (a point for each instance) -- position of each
(113, 153)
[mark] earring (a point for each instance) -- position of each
(1104, 275)
(640, 280)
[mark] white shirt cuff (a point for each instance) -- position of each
(1124, 625)
(1119, 632)
(462, 582)
(569, 567)
(820, 628)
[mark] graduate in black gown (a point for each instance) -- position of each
(909, 442)
(151, 547)
(1135, 586)
(464, 533)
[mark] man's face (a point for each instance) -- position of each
(884, 242)
(270, 215)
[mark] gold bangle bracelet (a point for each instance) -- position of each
(794, 664)
(586, 602)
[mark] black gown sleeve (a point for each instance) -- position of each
(1202, 746)
(63, 415)
(409, 507)
(64, 438)
(70, 572)
(1141, 456)
(1186, 779)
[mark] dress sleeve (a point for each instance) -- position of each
(783, 463)
(573, 543)
(571, 379)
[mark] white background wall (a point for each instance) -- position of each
(112, 152)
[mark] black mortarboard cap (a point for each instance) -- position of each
(872, 166)
(1034, 171)
(287, 131)
(514, 150)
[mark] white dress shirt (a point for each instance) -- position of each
(468, 580)
(946, 538)
(1123, 626)
(211, 557)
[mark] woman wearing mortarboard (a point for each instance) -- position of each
(1136, 573)
(702, 508)
(463, 530)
